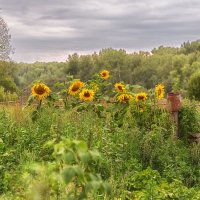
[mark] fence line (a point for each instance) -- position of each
(10, 102)
(23, 102)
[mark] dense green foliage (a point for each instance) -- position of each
(7, 76)
(140, 156)
(194, 85)
(8, 81)
(189, 119)
(176, 68)
(171, 66)
(80, 150)
(49, 73)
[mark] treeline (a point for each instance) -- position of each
(171, 66)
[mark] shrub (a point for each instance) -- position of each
(189, 119)
(194, 86)
(6, 95)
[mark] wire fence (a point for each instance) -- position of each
(23, 101)
(17, 102)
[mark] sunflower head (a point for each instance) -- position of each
(40, 91)
(104, 74)
(86, 95)
(120, 87)
(141, 96)
(124, 98)
(160, 91)
(75, 87)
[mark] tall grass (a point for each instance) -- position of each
(141, 158)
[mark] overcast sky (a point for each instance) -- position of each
(48, 30)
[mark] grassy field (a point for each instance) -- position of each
(139, 155)
(95, 141)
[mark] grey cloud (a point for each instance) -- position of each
(44, 27)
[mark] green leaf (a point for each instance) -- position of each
(107, 188)
(92, 186)
(99, 107)
(68, 157)
(106, 98)
(59, 149)
(78, 170)
(30, 100)
(96, 185)
(85, 157)
(53, 97)
(81, 146)
(59, 84)
(95, 155)
(34, 115)
(83, 195)
(88, 187)
(49, 143)
(80, 108)
(68, 174)
(94, 177)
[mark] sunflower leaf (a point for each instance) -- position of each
(85, 157)
(68, 174)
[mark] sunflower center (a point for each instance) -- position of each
(159, 92)
(126, 98)
(39, 90)
(75, 87)
(120, 87)
(140, 97)
(87, 94)
(104, 74)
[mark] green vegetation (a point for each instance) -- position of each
(176, 68)
(171, 66)
(97, 137)
(139, 158)
(194, 86)
(99, 141)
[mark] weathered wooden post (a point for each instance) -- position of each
(174, 102)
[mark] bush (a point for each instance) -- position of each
(194, 86)
(148, 184)
(188, 119)
(6, 95)
(69, 176)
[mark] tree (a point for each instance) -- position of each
(194, 86)
(73, 64)
(7, 68)
(5, 46)
(190, 47)
(7, 72)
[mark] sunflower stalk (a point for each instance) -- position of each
(39, 105)
(90, 139)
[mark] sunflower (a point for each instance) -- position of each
(141, 96)
(120, 87)
(124, 98)
(104, 74)
(40, 91)
(160, 91)
(75, 87)
(86, 95)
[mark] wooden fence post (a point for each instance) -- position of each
(174, 101)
